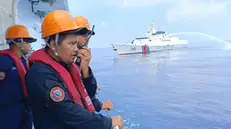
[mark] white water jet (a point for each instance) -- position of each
(228, 45)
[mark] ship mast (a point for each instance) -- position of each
(152, 29)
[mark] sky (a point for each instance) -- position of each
(118, 21)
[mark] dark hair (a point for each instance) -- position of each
(17, 40)
(62, 36)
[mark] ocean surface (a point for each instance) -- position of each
(177, 89)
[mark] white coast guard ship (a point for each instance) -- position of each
(150, 42)
(28, 13)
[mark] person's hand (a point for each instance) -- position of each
(98, 87)
(85, 55)
(107, 105)
(117, 121)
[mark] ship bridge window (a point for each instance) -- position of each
(159, 32)
(142, 38)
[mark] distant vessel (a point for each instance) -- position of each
(150, 42)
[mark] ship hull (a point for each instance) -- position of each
(124, 49)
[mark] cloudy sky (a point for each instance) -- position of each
(121, 20)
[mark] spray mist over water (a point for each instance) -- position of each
(227, 44)
(129, 124)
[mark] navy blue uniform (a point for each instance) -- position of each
(13, 113)
(91, 86)
(48, 114)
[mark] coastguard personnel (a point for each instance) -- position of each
(57, 94)
(82, 22)
(14, 109)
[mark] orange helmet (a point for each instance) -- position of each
(17, 32)
(83, 22)
(56, 22)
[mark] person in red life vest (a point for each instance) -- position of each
(56, 92)
(15, 112)
(82, 22)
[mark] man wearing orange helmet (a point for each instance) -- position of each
(83, 23)
(57, 94)
(14, 109)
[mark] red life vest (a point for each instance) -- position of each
(20, 68)
(72, 79)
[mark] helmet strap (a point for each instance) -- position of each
(19, 46)
(56, 46)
